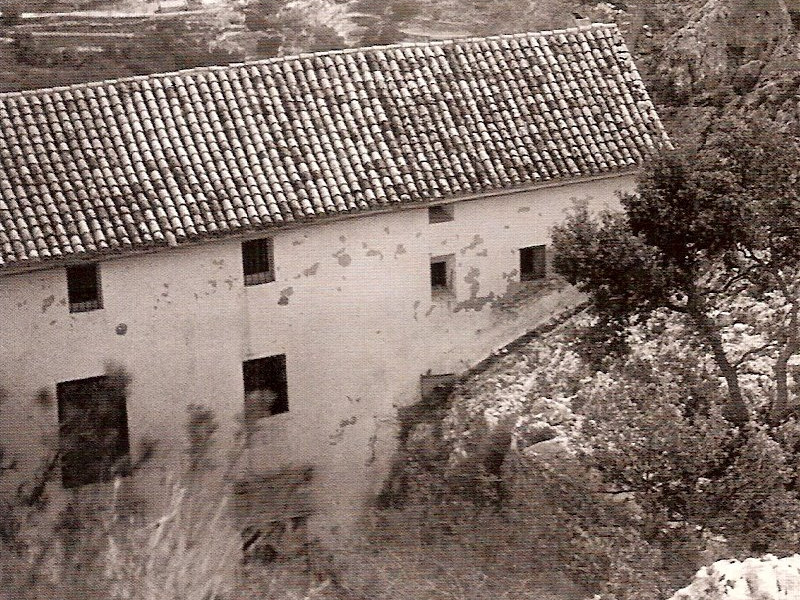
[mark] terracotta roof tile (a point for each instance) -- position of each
(162, 159)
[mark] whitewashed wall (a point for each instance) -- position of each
(351, 308)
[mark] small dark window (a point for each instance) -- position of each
(441, 274)
(532, 263)
(440, 214)
(83, 288)
(93, 430)
(265, 387)
(257, 261)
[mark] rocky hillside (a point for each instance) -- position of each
(728, 55)
(698, 58)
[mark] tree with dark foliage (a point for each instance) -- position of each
(704, 224)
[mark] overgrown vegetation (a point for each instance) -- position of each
(657, 432)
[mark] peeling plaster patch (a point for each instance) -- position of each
(343, 257)
(164, 295)
(212, 283)
(506, 227)
(229, 281)
(472, 279)
(121, 329)
(285, 293)
(524, 209)
(477, 303)
(219, 262)
(476, 241)
(416, 306)
(47, 303)
(511, 276)
(53, 322)
(337, 435)
(342, 239)
(385, 230)
(484, 252)
(430, 310)
(297, 242)
(419, 234)
(399, 250)
(339, 289)
(371, 251)
(474, 302)
(62, 302)
(312, 270)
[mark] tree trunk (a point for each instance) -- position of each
(780, 402)
(735, 410)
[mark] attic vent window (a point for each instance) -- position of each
(257, 261)
(265, 387)
(83, 288)
(440, 214)
(532, 263)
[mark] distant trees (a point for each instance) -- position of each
(707, 229)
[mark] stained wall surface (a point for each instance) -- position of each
(351, 308)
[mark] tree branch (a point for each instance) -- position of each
(754, 351)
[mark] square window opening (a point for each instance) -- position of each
(532, 263)
(257, 261)
(265, 387)
(93, 431)
(83, 288)
(440, 214)
(442, 274)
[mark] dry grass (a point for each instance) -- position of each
(190, 553)
(479, 557)
(193, 552)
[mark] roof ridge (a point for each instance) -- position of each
(306, 55)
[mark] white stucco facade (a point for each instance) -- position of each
(350, 307)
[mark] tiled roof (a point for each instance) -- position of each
(159, 160)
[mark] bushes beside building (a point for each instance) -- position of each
(657, 432)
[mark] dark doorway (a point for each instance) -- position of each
(93, 430)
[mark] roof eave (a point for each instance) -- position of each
(28, 266)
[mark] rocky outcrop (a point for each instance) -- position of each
(766, 578)
(725, 42)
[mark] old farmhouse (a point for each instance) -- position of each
(291, 243)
